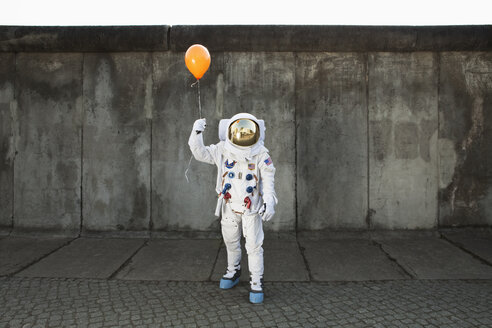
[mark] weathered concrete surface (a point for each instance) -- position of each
(362, 140)
(331, 141)
(83, 38)
(403, 128)
(332, 38)
(176, 204)
(7, 78)
(465, 139)
(348, 260)
(330, 257)
(259, 83)
(283, 261)
(17, 253)
(434, 258)
(116, 169)
(478, 243)
(254, 38)
(85, 258)
(176, 260)
(48, 141)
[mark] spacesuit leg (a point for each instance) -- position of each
(231, 232)
(253, 233)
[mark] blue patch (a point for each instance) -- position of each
(230, 165)
(226, 187)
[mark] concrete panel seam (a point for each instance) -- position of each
(306, 263)
(151, 222)
(128, 261)
(41, 258)
(169, 38)
(438, 156)
(82, 119)
(407, 271)
(14, 143)
(151, 219)
(215, 261)
(464, 249)
(296, 175)
(370, 212)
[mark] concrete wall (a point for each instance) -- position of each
(48, 96)
(403, 126)
(7, 106)
(118, 108)
(331, 140)
(394, 133)
(465, 139)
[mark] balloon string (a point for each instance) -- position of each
(200, 113)
(188, 168)
(199, 98)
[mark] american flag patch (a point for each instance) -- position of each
(251, 166)
(268, 161)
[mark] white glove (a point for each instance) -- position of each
(267, 211)
(200, 125)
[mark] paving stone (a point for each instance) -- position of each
(289, 304)
(477, 242)
(18, 252)
(54, 302)
(434, 258)
(85, 258)
(178, 260)
(348, 260)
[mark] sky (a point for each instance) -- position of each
(249, 12)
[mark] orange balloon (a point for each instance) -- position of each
(197, 60)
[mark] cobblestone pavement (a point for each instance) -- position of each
(47, 302)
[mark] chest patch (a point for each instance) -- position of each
(251, 166)
(230, 165)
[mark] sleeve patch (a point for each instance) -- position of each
(268, 161)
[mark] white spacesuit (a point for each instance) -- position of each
(246, 192)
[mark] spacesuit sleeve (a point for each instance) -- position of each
(201, 152)
(267, 172)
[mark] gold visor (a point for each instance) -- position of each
(244, 132)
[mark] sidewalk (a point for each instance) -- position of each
(312, 279)
(309, 257)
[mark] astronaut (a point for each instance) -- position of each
(246, 192)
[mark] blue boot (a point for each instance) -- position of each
(256, 297)
(227, 281)
(256, 292)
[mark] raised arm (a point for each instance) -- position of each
(201, 152)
